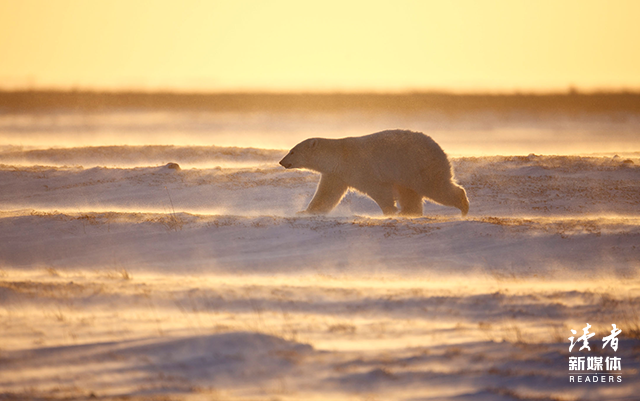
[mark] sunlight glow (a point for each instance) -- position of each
(462, 45)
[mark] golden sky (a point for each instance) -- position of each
(458, 45)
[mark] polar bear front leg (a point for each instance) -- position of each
(383, 196)
(328, 195)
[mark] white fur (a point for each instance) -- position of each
(388, 166)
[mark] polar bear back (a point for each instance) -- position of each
(399, 156)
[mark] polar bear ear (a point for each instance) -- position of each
(313, 143)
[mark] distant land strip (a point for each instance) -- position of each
(560, 103)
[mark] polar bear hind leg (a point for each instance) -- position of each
(410, 201)
(447, 193)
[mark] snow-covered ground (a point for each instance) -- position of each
(121, 276)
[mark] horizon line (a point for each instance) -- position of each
(329, 92)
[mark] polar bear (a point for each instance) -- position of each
(390, 165)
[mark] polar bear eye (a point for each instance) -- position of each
(291, 152)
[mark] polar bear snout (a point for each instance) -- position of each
(290, 161)
(285, 163)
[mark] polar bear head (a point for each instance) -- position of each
(309, 154)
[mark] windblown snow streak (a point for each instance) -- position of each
(122, 275)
